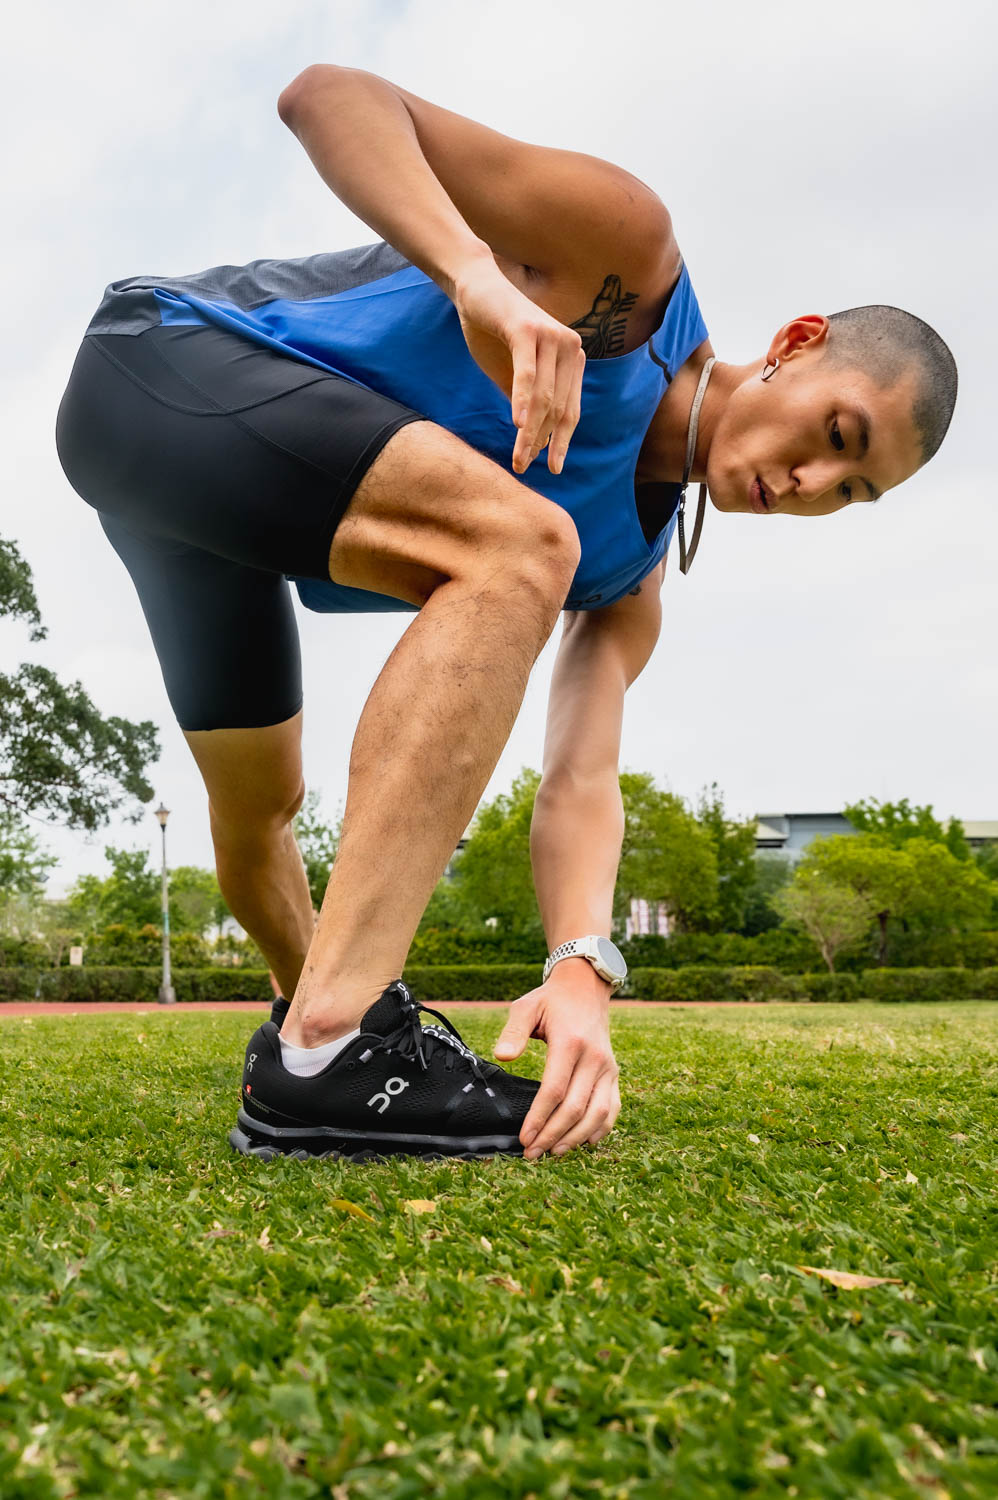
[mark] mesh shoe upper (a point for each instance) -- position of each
(397, 1077)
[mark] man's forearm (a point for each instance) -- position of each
(575, 841)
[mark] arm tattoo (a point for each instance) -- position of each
(605, 324)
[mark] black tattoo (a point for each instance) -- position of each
(605, 324)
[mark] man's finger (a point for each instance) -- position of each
(554, 1086)
(568, 1117)
(595, 1123)
(568, 398)
(538, 424)
(524, 353)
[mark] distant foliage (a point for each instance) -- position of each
(734, 852)
(897, 822)
(60, 758)
(131, 896)
(833, 916)
(318, 842)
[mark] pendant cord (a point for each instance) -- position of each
(686, 557)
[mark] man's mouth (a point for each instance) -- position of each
(760, 498)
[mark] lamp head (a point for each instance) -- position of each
(162, 813)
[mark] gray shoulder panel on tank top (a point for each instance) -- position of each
(129, 307)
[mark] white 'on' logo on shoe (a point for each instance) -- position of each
(392, 1087)
(250, 1061)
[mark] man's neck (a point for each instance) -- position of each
(663, 452)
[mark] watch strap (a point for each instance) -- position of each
(579, 948)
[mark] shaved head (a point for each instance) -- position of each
(890, 344)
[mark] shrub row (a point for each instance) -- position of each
(793, 952)
(507, 981)
(101, 984)
(760, 983)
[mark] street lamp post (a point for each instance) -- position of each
(167, 994)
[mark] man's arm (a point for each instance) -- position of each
(575, 841)
(520, 237)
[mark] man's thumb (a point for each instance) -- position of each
(515, 1036)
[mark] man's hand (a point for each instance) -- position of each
(535, 359)
(578, 1099)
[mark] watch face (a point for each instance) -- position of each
(611, 956)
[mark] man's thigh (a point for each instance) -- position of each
(430, 508)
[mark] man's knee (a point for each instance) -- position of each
(260, 812)
(432, 511)
(546, 550)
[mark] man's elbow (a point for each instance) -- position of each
(313, 80)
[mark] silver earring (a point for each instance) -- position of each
(770, 369)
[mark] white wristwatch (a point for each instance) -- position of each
(605, 957)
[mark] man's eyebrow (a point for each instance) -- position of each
(863, 423)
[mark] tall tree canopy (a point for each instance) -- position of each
(60, 758)
(918, 880)
(318, 841)
(897, 822)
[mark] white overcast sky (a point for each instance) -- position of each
(813, 157)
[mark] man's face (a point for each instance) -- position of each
(815, 437)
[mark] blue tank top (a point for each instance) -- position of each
(371, 316)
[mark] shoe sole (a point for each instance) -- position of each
(255, 1138)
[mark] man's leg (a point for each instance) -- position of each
(491, 564)
(254, 782)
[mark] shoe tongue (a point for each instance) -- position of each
(388, 1014)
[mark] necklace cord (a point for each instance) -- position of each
(686, 556)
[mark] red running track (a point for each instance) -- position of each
(143, 1008)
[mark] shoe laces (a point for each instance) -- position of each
(419, 1043)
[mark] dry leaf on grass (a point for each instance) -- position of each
(506, 1282)
(420, 1205)
(848, 1279)
(910, 1177)
(355, 1209)
(264, 1240)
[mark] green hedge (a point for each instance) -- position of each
(100, 984)
(712, 982)
(507, 981)
(928, 984)
(431, 983)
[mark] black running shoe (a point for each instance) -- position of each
(279, 1010)
(400, 1089)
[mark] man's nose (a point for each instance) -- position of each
(817, 479)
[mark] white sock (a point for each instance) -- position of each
(305, 1062)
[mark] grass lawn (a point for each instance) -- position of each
(632, 1322)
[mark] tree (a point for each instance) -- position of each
(59, 757)
(318, 842)
(666, 856)
(833, 916)
(196, 903)
(897, 822)
(770, 873)
(492, 876)
(918, 880)
(129, 897)
(734, 850)
(24, 864)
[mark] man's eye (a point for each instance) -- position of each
(845, 490)
(838, 441)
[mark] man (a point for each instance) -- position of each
(371, 423)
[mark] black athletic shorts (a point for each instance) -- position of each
(217, 466)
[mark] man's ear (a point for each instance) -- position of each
(806, 333)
